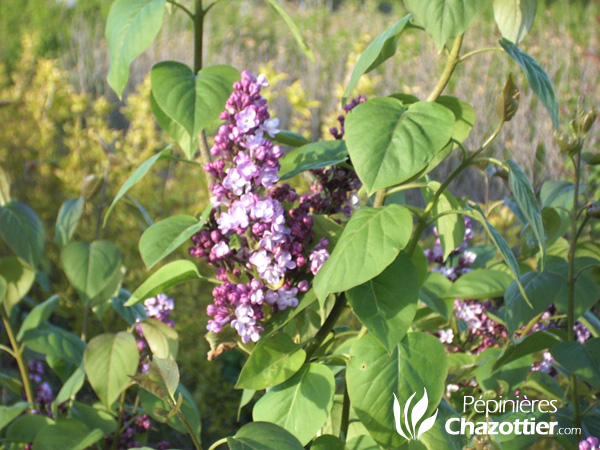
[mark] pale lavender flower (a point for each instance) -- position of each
(446, 336)
(246, 119)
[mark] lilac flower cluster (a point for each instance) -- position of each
(44, 395)
(158, 308)
(258, 247)
(128, 438)
(483, 331)
(590, 443)
(336, 187)
(545, 365)
(582, 334)
(459, 261)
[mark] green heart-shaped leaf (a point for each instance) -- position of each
(94, 270)
(109, 360)
(374, 376)
(387, 304)
(22, 231)
(370, 242)
(131, 27)
(514, 18)
(389, 144)
(445, 19)
(383, 47)
(301, 404)
(194, 102)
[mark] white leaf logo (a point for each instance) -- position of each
(418, 412)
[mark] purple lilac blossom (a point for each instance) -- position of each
(483, 332)
(336, 188)
(582, 334)
(129, 437)
(545, 365)
(159, 308)
(36, 370)
(257, 243)
(590, 443)
(459, 261)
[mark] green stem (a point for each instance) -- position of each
(188, 427)
(572, 247)
(571, 285)
(198, 36)
(445, 213)
(7, 350)
(451, 63)
(86, 319)
(488, 160)
(219, 442)
(183, 8)
(531, 324)
(102, 201)
(422, 220)
(334, 315)
(205, 155)
(581, 227)
(198, 53)
(345, 420)
(379, 198)
(18, 355)
(119, 420)
(477, 52)
(405, 187)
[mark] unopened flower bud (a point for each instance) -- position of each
(90, 186)
(594, 210)
(569, 144)
(589, 120)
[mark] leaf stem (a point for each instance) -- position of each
(581, 227)
(334, 315)
(379, 198)
(198, 35)
(205, 155)
(198, 52)
(422, 220)
(183, 8)
(571, 284)
(217, 443)
(7, 350)
(102, 200)
(86, 319)
(345, 420)
(17, 353)
(188, 427)
(531, 324)
(404, 187)
(451, 63)
(115, 442)
(477, 52)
